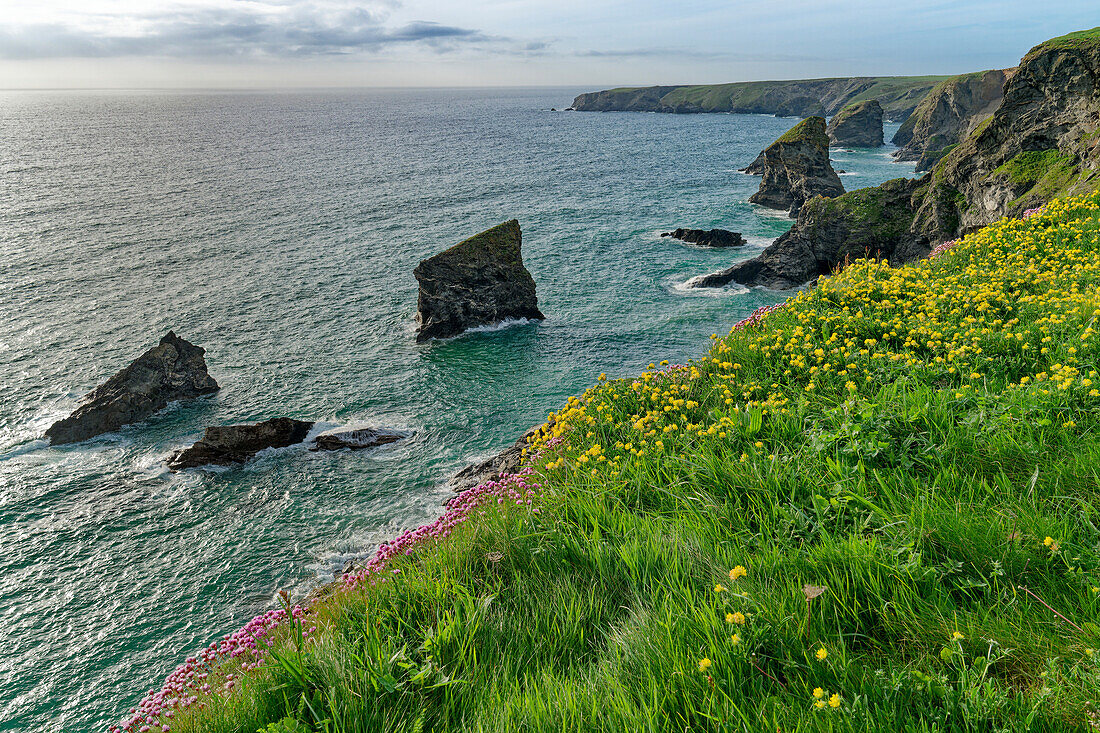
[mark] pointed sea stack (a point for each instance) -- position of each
(796, 168)
(477, 282)
(172, 370)
(858, 125)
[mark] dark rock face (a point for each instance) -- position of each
(947, 116)
(858, 125)
(708, 238)
(507, 461)
(229, 444)
(870, 222)
(796, 168)
(477, 282)
(358, 439)
(172, 370)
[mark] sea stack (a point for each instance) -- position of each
(858, 125)
(229, 444)
(173, 370)
(477, 282)
(796, 168)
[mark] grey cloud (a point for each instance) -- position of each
(234, 33)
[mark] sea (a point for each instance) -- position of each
(279, 231)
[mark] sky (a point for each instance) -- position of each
(580, 43)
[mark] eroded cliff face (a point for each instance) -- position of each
(948, 114)
(1041, 143)
(796, 168)
(898, 96)
(858, 125)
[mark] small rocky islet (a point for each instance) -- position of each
(796, 168)
(707, 237)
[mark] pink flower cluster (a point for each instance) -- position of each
(1032, 212)
(199, 675)
(510, 488)
(939, 249)
(756, 316)
(205, 674)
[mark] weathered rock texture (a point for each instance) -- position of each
(358, 439)
(707, 238)
(172, 370)
(1041, 143)
(948, 114)
(229, 444)
(858, 125)
(507, 461)
(796, 168)
(898, 95)
(477, 282)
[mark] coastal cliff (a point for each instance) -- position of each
(1042, 142)
(898, 95)
(796, 168)
(947, 115)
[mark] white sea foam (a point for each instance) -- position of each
(499, 326)
(686, 288)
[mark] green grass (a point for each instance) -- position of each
(906, 461)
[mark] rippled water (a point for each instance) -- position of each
(279, 231)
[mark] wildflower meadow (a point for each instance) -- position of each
(874, 507)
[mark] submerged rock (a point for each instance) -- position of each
(707, 238)
(358, 439)
(477, 282)
(857, 125)
(172, 370)
(229, 444)
(796, 168)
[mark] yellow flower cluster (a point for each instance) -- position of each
(1008, 304)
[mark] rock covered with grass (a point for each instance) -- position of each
(796, 168)
(174, 369)
(480, 281)
(858, 125)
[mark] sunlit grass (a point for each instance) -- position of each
(875, 508)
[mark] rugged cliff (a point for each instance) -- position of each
(899, 96)
(796, 168)
(858, 125)
(948, 114)
(1041, 143)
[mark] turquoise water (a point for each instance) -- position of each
(279, 231)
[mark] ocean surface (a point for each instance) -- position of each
(279, 231)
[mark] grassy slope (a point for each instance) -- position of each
(904, 461)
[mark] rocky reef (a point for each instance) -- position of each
(1041, 143)
(225, 445)
(898, 95)
(172, 370)
(478, 282)
(858, 125)
(796, 168)
(948, 114)
(358, 438)
(707, 237)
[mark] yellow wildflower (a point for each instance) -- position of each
(704, 664)
(738, 572)
(821, 653)
(818, 693)
(834, 701)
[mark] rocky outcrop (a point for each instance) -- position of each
(507, 461)
(1041, 143)
(858, 125)
(172, 370)
(898, 95)
(871, 222)
(358, 439)
(229, 444)
(796, 168)
(948, 114)
(477, 282)
(707, 237)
